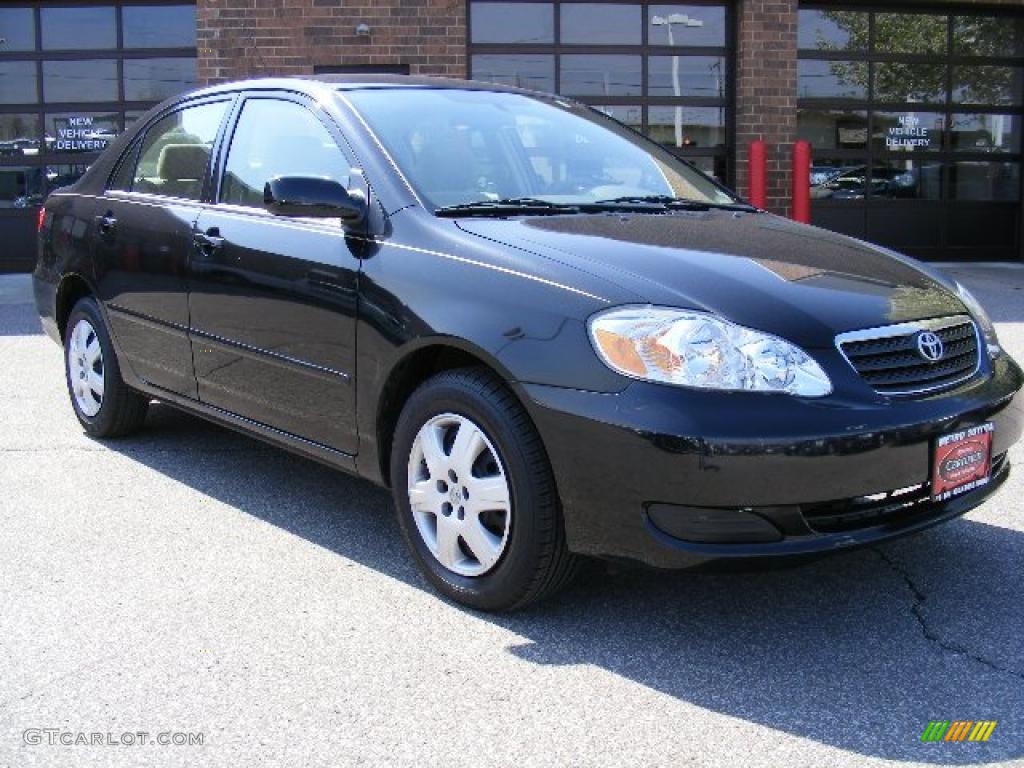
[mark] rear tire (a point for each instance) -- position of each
(483, 521)
(103, 403)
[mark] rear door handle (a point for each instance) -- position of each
(208, 243)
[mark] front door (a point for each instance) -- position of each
(143, 240)
(273, 300)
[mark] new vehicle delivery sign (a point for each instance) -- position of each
(78, 134)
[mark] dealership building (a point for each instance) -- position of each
(913, 109)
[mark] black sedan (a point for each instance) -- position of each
(550, 337)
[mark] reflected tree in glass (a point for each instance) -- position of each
(909, 33)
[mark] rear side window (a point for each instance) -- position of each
(176, 152)
(278, 138)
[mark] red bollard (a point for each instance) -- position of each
(802, 182)
(757, 164)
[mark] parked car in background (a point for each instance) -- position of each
(886, 181)
(547, 335)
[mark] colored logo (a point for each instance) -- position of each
(959, 730)
(929, 346)
(963, 462)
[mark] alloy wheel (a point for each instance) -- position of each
(459, 495)
(85, 368)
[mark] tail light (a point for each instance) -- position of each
(40, 219)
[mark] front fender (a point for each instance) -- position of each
(524, 326)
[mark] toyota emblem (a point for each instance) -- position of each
(929, 346)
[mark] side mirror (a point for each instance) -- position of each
(315, 197)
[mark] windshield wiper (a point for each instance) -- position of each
(671, 203)
(507, 205)
(538, 206)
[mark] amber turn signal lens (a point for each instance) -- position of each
(620, 352)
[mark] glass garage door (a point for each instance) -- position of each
(663, 68)
(72, 75)
(915, 120)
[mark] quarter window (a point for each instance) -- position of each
(278, 138)
(176, 152)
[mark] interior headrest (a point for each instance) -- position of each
(182, 161)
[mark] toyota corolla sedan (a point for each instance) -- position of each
(547, 335)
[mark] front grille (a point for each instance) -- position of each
(889, 361)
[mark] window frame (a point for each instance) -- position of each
(131, 152)
(218, 166)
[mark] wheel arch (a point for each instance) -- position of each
(72, 288)
(428, 358)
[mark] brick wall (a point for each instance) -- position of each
(250, 38)
(766, 88)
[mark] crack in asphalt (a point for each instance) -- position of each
(917, 608)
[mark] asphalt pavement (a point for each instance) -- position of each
(193, 583)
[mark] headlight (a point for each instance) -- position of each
(988, 330)
(695, 349)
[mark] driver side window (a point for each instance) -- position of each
(278, 138)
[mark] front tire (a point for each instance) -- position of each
(103, 403)
(475, 495)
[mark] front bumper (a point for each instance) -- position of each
(675, 478)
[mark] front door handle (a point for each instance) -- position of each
(208, 243)
(106, 224)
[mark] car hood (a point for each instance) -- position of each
(762, 271)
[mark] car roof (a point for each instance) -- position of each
(344, 82)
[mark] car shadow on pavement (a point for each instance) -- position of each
(858, 651)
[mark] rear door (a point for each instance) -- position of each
(143, 235)
(273, 299)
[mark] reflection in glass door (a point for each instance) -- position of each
(915, 120)
(72, 76)
(664, 69)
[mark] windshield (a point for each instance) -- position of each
(458, 147)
